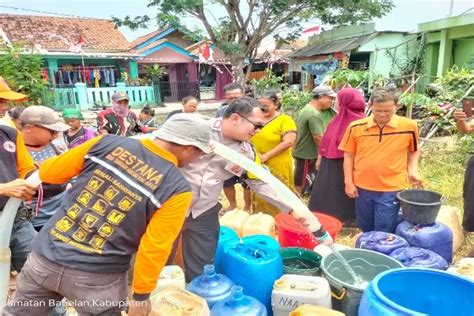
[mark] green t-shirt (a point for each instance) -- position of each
(309, 122)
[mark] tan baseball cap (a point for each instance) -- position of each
(7, 93)
(43, 116)
(120, 95)
(324, 90)
(186, 129)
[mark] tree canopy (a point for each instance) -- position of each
(21, 68)
(244, 24)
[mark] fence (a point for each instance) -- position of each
(60, 99)
(86, 98)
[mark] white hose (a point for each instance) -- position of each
(7, 217)
(284, 192)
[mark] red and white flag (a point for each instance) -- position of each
(311, 31)
(206, 53)
(77, 47)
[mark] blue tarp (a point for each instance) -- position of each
(321, 68)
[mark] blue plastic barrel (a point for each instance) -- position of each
(436, 237)
(416, 257)
(254, 267)
(381, 242)
(418, 292)
(226, 234)
(239, 304)
(211, 286)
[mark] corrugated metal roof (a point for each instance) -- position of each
(343, 45)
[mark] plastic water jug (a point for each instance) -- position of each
(234, 219)
(170, 276)
(174, 301)
(239, 304)
(291, 291)
(436, 237)
(419, 258)
(448, 215)
(312, 310)
(381, 242)
(255, 268)
(263, 241)
(437, 293)
(259, 224)
(226, 234)
(211, 286)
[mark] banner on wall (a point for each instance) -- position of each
(320, 69)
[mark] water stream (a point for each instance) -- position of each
(358, 281)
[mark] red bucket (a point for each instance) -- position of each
(292, 233)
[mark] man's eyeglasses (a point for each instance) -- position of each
(256, 126)
(53, 133)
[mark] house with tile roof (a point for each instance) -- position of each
(85, 51)
(179, 56)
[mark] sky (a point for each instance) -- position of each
(404, 17)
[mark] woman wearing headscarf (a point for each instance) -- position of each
(328, 195)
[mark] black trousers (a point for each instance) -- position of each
(199, 241)
(468, 195)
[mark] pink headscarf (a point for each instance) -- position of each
(351, 108)
(120, 110)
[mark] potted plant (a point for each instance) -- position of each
(156, 72)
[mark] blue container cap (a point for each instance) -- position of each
(262, 240)
(254, 253)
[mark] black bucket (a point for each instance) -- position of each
(420, 206)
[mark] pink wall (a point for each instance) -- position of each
(166, 56)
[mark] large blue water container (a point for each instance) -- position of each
(381, 242)
(239, 304)
(419, 258)
(263, 240)
(254, 267)
(211, 286)
(418, 292)
(226, 234)
(436, 237)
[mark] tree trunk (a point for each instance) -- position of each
(238, 65)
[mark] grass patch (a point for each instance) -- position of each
(442, 165)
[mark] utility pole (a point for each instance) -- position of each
(451, 8)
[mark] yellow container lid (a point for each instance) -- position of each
(307, 310)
